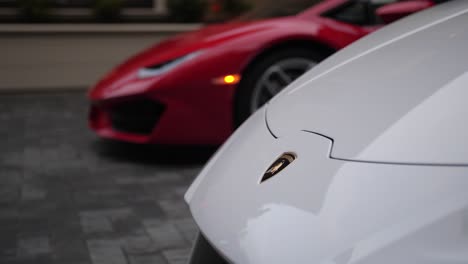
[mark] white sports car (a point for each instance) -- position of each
(362, 160)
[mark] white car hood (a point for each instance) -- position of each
(333, 211)
(326, 211)
(362, 109)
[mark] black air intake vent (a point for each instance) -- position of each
(138, 117)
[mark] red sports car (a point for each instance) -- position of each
(195, 88)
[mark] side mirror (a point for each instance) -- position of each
(392, 12)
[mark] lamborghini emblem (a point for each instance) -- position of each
(277, 166)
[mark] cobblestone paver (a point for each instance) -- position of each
(67, 197)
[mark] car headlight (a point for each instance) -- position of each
(158, 69)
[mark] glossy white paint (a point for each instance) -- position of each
(320, 210)
(324, 210)
(397, 98)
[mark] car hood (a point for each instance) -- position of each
(326, 211)
(333, 211)
(387, 98)
(173, 48)
(185, 43)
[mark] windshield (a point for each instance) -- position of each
(277, 8)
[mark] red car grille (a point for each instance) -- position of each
(138, 117)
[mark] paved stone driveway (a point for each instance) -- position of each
(67, 197)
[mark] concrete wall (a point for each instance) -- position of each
(45, 57)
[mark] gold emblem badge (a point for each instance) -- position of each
(277, 166)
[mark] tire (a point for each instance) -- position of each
(250, 88)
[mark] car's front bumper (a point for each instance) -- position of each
(169, 116)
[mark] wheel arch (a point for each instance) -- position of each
(286, 44)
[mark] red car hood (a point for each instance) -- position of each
(175, 47)
(188, 42)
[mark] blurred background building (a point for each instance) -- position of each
(83, 11)
(63, 44)
(120, 10)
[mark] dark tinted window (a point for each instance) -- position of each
(353, 13)
(277, 8)
(358, 12)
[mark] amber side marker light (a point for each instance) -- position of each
(228, 79)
